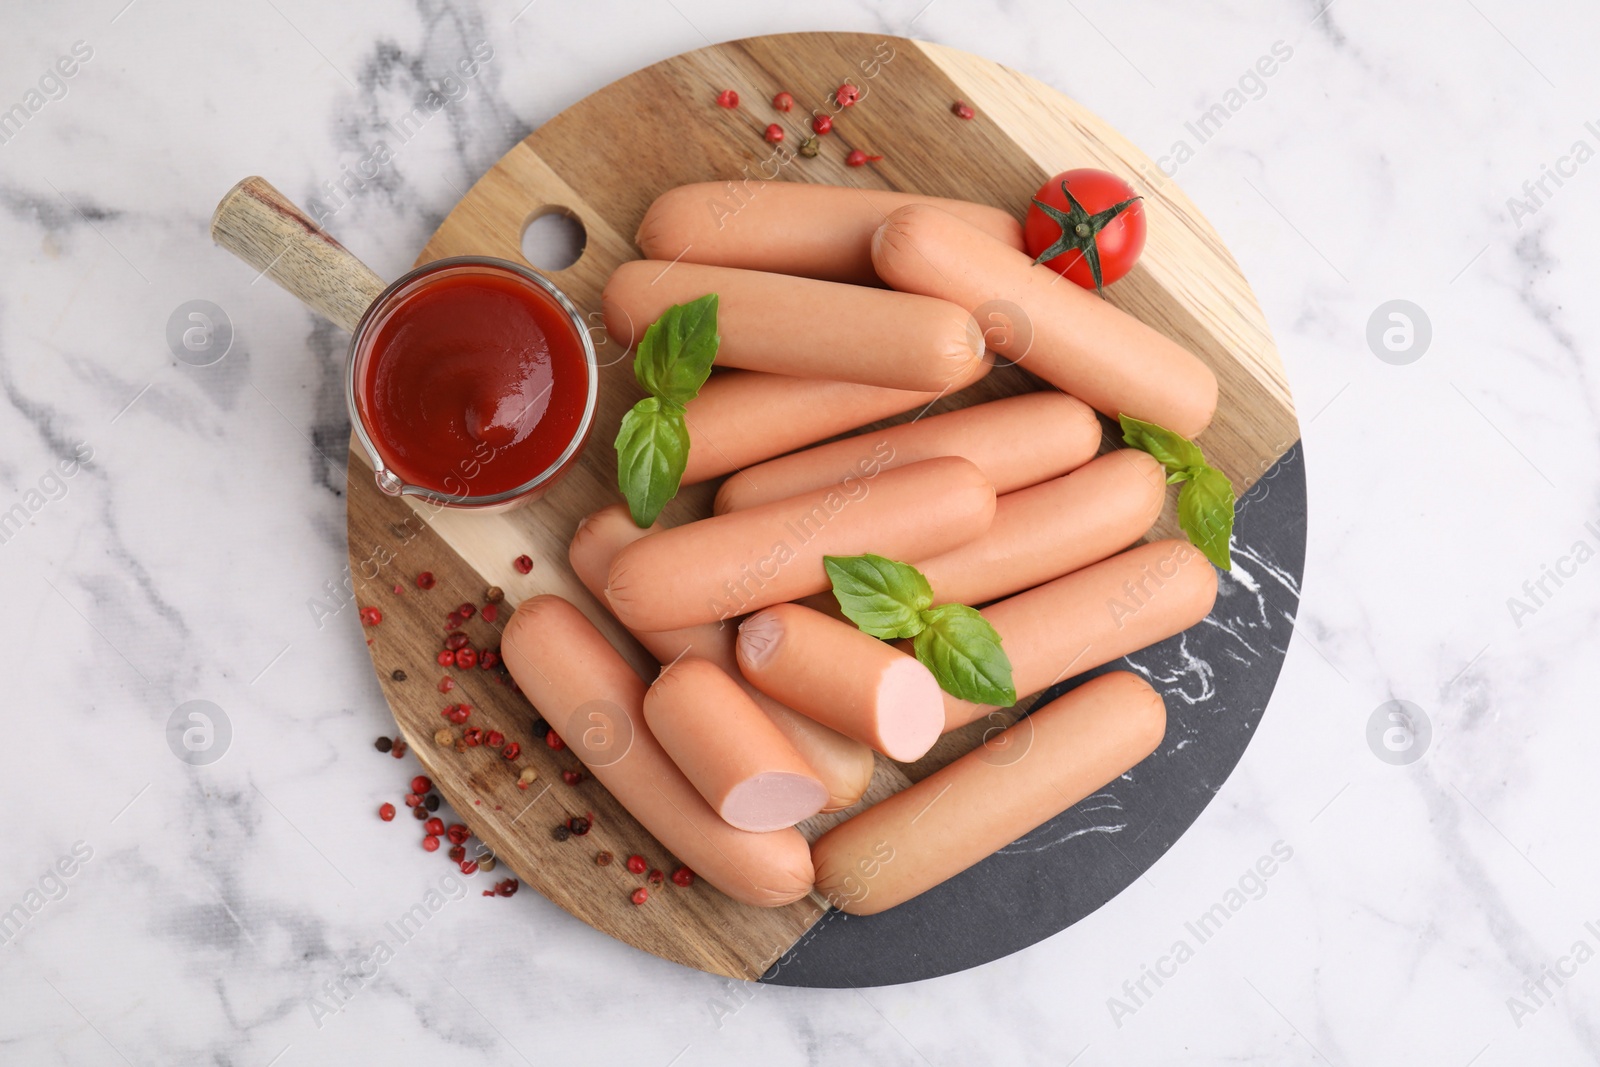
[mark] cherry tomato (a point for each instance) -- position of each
(1089, 223)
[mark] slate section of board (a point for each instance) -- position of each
(1216, 679)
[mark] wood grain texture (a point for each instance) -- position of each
(604, 160)
(265, 229)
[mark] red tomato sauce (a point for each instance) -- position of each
(476, 383)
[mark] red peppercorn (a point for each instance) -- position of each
(371, 616)
(447, 658)
(453, 621)
(469, 866)
(398, 589)
(466, 611)
(511, 751)
(420, 813)
(847, 95)
(774, 133)
(456, 642)
(490, 612)
(858, 158)
(523, 564)
(446, 684)
(728, 98)
(399, 749)
(466, 659)
(821, 124)
(494, 739)
(430, 844)
(458, 834)
(488, 659)
(386, 812)
(507, 887)
(683, 876)
(553, 740)
(421, 784)
(783, 101)
(425, 580)
(572, 777)
(457, 853)
(640, 895)
(962, 110)
(636, 864)
(472, 736)
(655, 877)
(434, 826)
(412, 800)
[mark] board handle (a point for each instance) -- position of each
(265, 229)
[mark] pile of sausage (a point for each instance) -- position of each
(754, 726)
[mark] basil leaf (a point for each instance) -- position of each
(1205, 511)
(1175, 452)
(883, 598)
(652, 452)
(673, 359)
(963, 651)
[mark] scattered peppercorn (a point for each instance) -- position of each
(640, 895)
(847, 95)
(421, 784)
(636, 864)
(655, 877)
(683, 876)
(446, 684)
(398, 675)
(821, 124)
(466, 611)
(430, 844)
(858, 158)
(434, 826)
(527, 777)
(469, 867)
(473, 736)
(383, 744)
(494, 739)
(539, 727)
(572, 777)
(399, 749)
(603, 859)
(444, 736)
(431, 801)
(809, 147)
(561, 833)
(456, 641)
(728, 98)
(419, 813)
(453, 621)
(458, 833)
(412, 800)
(386, 812)
(774, 133)
(553, 740)
(578, 824)
(398, 589)
(425, 580)
(511, 751)
(466, 659)
(507, 887)
(494, 594)
(783, 101)
(371, 616)
(488, 659)
(962, 110)
(523, 564)
(486, 863)
(447, 658)
(457, 853)
(490, 613)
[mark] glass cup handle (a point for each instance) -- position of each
(265, 229)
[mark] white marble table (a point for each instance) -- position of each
(1401, 152)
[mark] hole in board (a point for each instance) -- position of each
(553, 239)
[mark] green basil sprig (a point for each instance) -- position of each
(1205, 503)
(893, 600)
(672, 361)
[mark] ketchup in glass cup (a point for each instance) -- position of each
(473, 383)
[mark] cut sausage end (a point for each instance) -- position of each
(772, 801)
(759, 636)
(910, 710)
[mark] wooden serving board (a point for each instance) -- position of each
(603, 161)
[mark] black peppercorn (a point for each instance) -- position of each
(578, 825)
(561, 833)
(431, 801)
(383, 744)
(398, 675)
